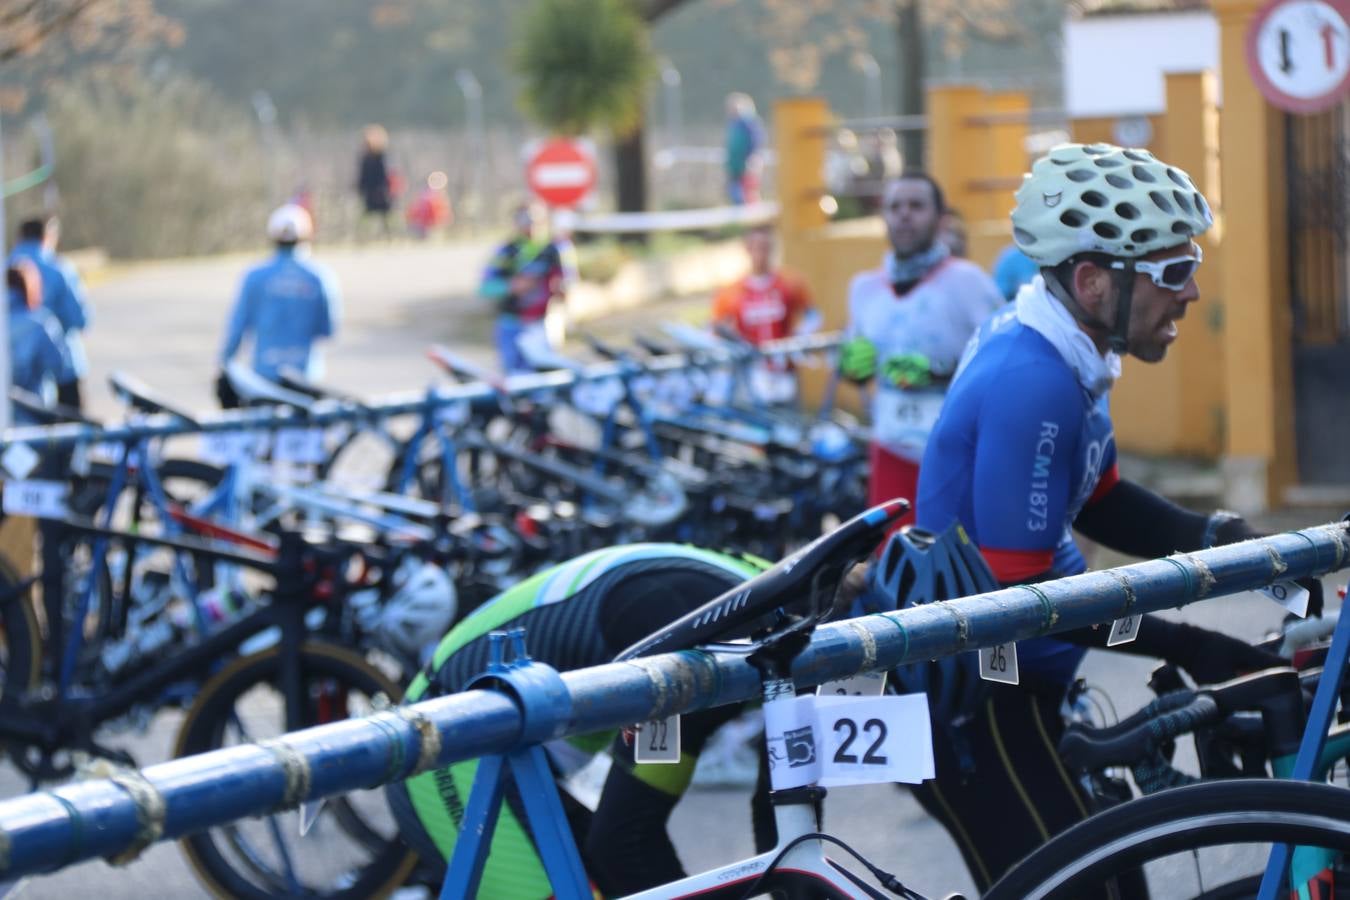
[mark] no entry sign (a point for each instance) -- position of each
(560, 173)
(1298, 52)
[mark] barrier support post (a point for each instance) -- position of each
(544, 704)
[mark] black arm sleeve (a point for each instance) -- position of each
(1208, 655)
(1134, 520)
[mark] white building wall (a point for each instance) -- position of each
(1114, 64)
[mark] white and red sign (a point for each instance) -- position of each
(1298, 52)
(561, 173)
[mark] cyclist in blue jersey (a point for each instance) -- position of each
(285, 304)
(63, 297)
(1023, 451)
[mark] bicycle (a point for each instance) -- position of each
(1240, 727)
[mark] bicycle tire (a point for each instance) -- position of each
(21, 642)
(1211, 813)
(210, 853)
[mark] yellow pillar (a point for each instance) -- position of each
(956, 155)
(1260, 460)
(1191, 141)
(800, 126)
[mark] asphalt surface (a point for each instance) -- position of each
(162, 323)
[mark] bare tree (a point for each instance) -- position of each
(30, 27)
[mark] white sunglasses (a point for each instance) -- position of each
(1173, 273)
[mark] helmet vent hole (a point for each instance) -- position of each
(1107, 162)
(1179, 179)
(1160, 200)
(1096, 149)
(1023, 237)
(1141, 156)
(1140, 173)
(1080, 175)
(1182, 229)
(1119, 181)
(1143, 235)
(1201, 206)
(1127, 211)
(1074, 218)
(1183, 202)
(1093, 198)
(1106, 230)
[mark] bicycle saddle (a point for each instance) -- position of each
(254, 390)
(653, 346)
(605, 349)
(43, 414)
(140, 396)
(812, 575)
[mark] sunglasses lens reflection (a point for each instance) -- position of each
(1177, 274)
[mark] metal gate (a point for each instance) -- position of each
(1318, 161)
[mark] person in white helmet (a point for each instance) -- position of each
(286, 303)
(1023, 453)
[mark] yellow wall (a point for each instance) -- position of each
(1254, 279)
(1175, 408)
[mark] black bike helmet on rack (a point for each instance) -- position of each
(917, 567)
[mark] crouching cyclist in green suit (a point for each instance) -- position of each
(580, 613)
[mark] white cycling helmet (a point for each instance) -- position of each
(421, 610)
(1099, 198)
(290, 224)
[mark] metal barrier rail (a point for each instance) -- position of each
(118, 817)
(326, 412)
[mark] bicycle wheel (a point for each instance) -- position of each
(20, 638)
(353, 848)
(1239, 820)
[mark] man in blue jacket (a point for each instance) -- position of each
(285, 304)
(38, 357)
(62, 296)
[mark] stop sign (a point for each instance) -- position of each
(560, 173)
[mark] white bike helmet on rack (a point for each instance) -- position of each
(421, 610)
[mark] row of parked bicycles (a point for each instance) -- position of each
(261, 571)
(289, 564)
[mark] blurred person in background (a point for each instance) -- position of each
(525, 277)
(373, 179)
(766, 305)
(62, 296)
(744, 146)
(284, 305)
(39, 360)
(908, 322)
(431, 208)
(1012, 269)
(952, 232)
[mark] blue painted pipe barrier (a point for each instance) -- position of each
(117, 817)
(326, 412)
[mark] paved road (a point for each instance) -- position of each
(162, 324)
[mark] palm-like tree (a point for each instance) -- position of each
(586, 66)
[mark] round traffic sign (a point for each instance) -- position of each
(560, 173)
(1298, 52)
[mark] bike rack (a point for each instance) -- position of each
(118, 817)
(325, 412)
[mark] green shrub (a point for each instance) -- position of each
(156, 170)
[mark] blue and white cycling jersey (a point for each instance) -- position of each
(285, 304)
(64, 298)
(1023, 443)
